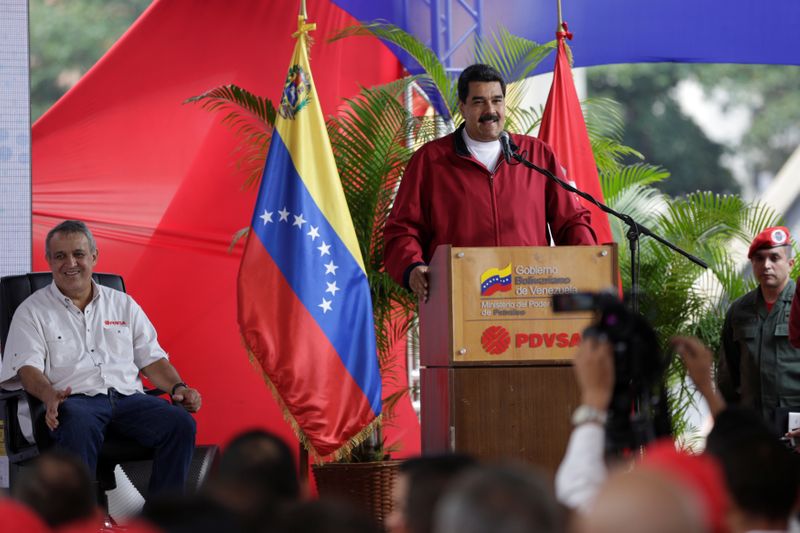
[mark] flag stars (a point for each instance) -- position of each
(330, 268)
(325, 306)
(324, 248)
(266, 216)
(332, 288)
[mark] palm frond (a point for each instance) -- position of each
(245, 109)
(608, 153)
(423, 55)
(249, 116)
(513, 56)
(604, 118)
(755, 218)
(729, 276)
(523, 119)
(702, 217)
(614, 183)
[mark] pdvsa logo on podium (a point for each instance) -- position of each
(495, 340)
(496, 280)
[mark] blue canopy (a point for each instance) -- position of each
(611, 31)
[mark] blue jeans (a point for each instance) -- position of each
(150, 421)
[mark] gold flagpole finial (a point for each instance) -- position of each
(302, 26)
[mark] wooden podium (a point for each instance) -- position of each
(496, 375)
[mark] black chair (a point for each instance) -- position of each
(117, 449)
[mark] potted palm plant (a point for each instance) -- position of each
(372, 139)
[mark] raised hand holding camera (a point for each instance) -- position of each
(594, 369)
(630, 384)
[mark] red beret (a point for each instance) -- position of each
(770, 238)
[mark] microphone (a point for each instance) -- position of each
(507, 146)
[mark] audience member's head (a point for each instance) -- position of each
(642, 501)
(418, 488)
(498, 499)
(698, 475)
(256, 474)
(196, 513)
(763, 477)
(324, 516)
(262, 461)
(255, 477)
(57, 486)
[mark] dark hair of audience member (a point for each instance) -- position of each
(57, 486)
(499, 499)
(427, 479)
(263, 461)
(254, 477)
(324, 516)
(762, 475)
(197, 513)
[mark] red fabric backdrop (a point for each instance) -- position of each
(156, 179)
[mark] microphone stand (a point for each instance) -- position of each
(635, 230)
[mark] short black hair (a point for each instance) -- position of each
(761, 474)
(428, 479)
(261, 461)
(57, 487)
(324, 516)
(478, 72)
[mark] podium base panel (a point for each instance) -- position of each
(497, 413)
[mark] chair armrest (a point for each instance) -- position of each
(18, 448)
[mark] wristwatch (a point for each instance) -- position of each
(586, 414)
(175, 387)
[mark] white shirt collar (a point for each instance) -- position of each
(488, 153)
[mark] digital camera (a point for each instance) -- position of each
(638, 411)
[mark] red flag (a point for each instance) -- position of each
(564, 129)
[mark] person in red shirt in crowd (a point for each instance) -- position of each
(459, 190)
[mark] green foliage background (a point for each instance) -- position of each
(67, 37)
(658, 127)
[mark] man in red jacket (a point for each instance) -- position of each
(459, 190)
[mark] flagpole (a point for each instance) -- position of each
(560, 19)
(303, 12)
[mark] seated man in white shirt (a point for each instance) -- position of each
(79, 347)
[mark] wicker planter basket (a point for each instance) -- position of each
(367, 485)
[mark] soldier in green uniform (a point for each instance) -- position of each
(758, 367)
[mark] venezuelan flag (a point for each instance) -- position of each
(304, 305)
(496, 280)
